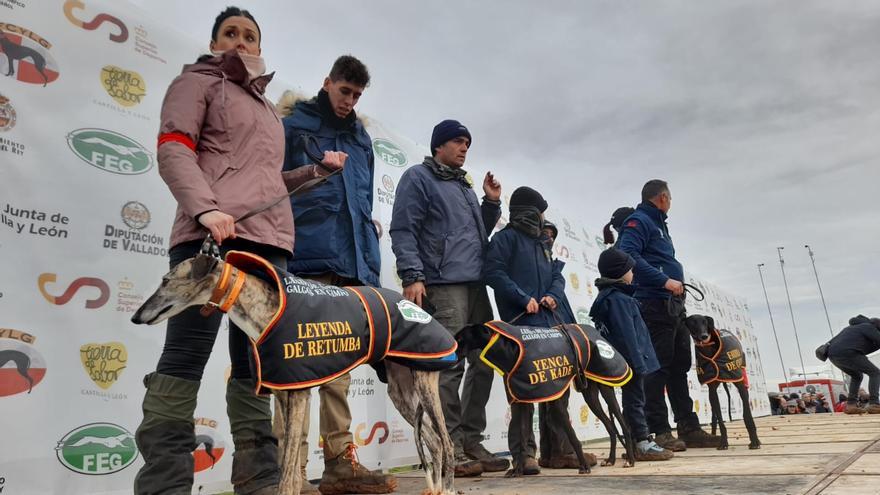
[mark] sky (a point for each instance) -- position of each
(761, 116)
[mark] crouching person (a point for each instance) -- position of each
(616, 314)
(848, 351)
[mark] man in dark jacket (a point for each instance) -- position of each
(617, 316)
(659, 289)
(529, 290)
(439, 234)
(848, 351)
(336, 242)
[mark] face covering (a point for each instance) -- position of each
(254, 64)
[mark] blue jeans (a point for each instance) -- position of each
(634, 407)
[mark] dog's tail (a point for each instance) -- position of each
(729, 405)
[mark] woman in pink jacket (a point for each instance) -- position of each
(221, 149)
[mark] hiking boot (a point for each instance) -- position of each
(648, 450)
(853, 408)
(344, 474)
(465, 467)
(491, 462)
(567, 461)
(873, 409)
(531, 468)
(307, 486)
(696, 438)
(669, 442)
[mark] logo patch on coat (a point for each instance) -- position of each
(411, 312)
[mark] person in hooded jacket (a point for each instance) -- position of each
(528, 287)
(848, 350)
(616, 314)
(220, 152)
(336, 244)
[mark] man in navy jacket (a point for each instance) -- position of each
(659, 289)
(439, 234)
(336, 242)
(848, 350)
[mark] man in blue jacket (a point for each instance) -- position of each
(336, 242)
(530, 289)
(659, 289)
(439, 234)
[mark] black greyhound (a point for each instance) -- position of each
(22, 364)
(479, 337)
(15, 51)
(720, 359)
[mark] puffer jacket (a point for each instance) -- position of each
(221, 147)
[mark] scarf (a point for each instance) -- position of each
(526, 219)
(445, 172)
(254, 64)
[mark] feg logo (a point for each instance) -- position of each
(97, 449)
(49, 278)
(96, 22)
(389, 152)
(209, 444)
(110, 151)
(21, 366)
(27, 55)
(379, 425)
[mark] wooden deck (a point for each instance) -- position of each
(805, 454)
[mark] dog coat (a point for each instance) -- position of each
(721, 359)
(320, 332)
(538, 364)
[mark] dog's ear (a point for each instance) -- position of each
(202, 265)
(711, 323)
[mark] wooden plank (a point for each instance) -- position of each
(868, 463)
(854, 485)
(625, 485)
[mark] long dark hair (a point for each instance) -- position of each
(617, 219)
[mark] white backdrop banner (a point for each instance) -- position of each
(84, 226)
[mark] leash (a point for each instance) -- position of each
(209, 246)
(694, 291)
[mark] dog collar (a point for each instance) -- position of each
(223, 287)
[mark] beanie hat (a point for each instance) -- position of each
(614, 263)
(526, 196)
(447, 131)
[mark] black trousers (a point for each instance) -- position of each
(856, 366)
(190, 336)
(672, 344)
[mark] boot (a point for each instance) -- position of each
(648, 450)
(255, 460)
(531, 467)
(344, 474)
(491, 463)
(873, 409)
(695, 437)
(567, 461)
(853, 408)
(465, 467)
(669, 442)
(307, 486)
(166, 436)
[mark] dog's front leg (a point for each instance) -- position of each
(754, 443)
(716, 411)
(557, 412)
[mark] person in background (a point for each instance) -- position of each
(616, 223)
(849, 350)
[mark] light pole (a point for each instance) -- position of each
(821, 295)
(772, 324)
(791, 310)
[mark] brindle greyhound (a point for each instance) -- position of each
(707, 340)
(414, 393)
(478, 336)
(22, 364)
